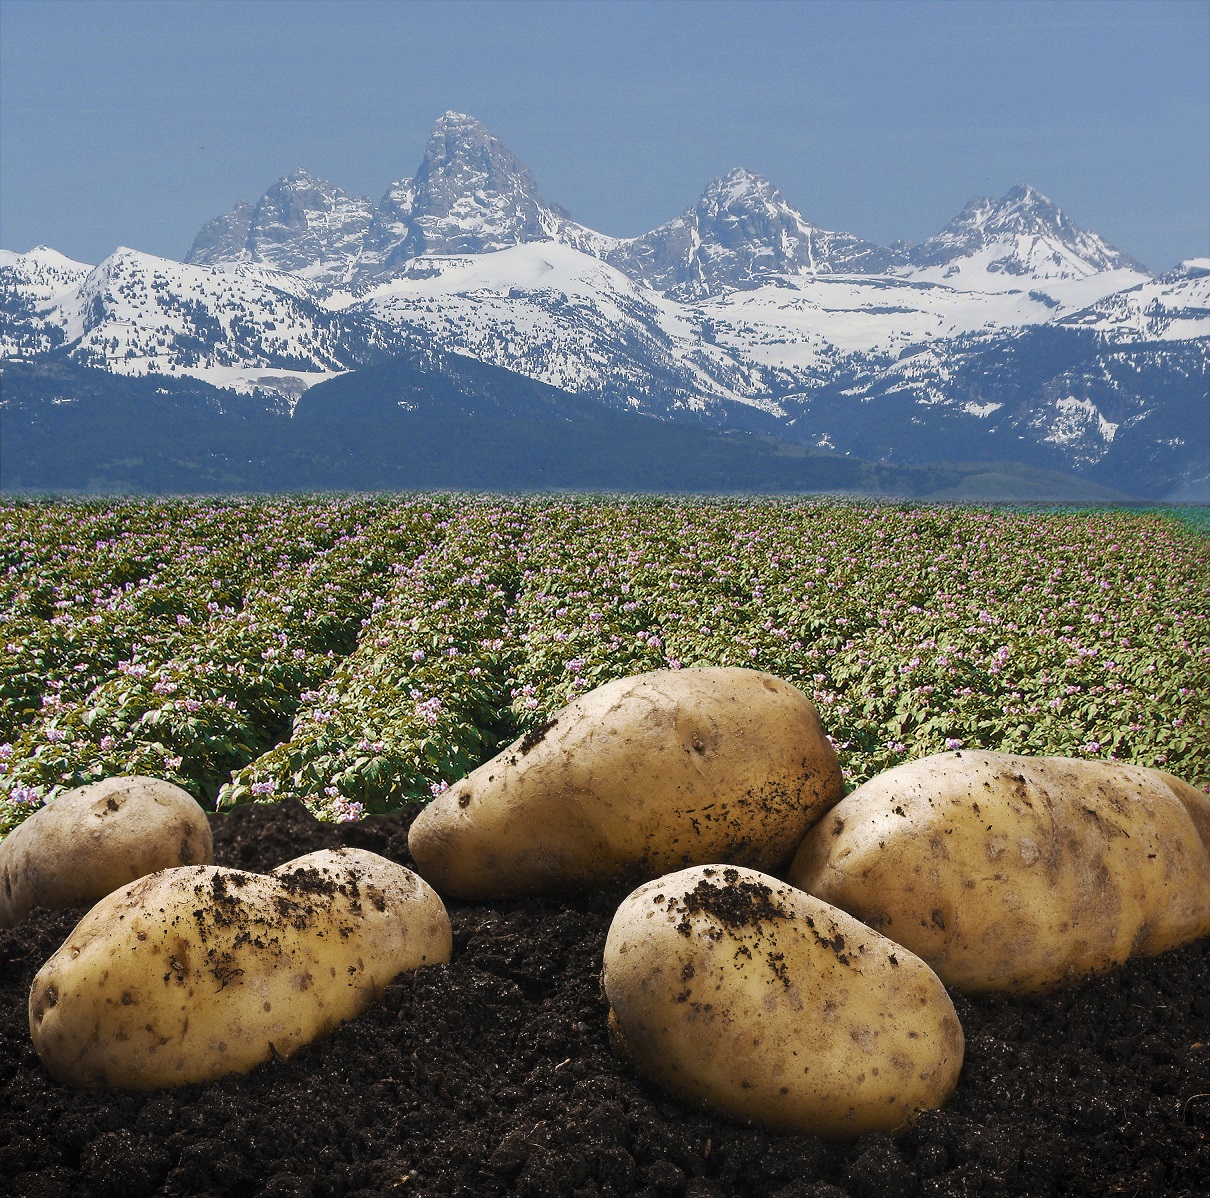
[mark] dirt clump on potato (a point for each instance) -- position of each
(736, 902)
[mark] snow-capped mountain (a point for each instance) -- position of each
(240, 326)
(470, 195)
(995, 245)
(31, 287)
(1174, 307)
(1135, 415)
(565, 318)
(740, 233)
(302, 225)
(1012, 328)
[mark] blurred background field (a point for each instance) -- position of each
(360, 652)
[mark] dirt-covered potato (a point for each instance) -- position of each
(1017, 873)
(743, 995)
(196, 972)
(91, 840)
(640, 776)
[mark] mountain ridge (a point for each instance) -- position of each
(739, 313)
(470, 194)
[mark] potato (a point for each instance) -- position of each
(196, 972)
(1017, 873)
(91, 840)
(640, 776)
(740, 994)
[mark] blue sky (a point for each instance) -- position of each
(132, 122)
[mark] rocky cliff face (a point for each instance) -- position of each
(470, 196)
(302, 225)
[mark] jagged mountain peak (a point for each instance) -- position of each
(464, 151)
(303, 224)
(741, 233)
(299, 174)
(1023, 233)
(1025, 195)
(471, 194)
(740, 191)
(1022, 209)
(459, 143)
(452, 120)
(458, 127)
(302, 200)
(738, 182)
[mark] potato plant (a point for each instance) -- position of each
(423, 698)
(914, 630)
(93, 585)
(216, 692)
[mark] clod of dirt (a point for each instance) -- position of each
(740, 905)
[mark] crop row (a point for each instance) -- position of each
(425, 696)
(200, 688)
(369, 652)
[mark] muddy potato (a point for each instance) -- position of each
(196, 972)
(640, 776)
(743, 995)
(1017, 873)
(91, 840)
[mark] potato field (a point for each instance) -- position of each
(359, 653)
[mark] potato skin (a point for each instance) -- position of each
(642, 775)
(91, 840)
(1017, 873)
(196, 972)
(743, 995)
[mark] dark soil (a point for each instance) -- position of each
(493, 1075)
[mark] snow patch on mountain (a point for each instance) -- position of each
(1071, 420)
(31, 287)
(810, 323)
(549, 311)
(239, 326)
(1174, 307)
